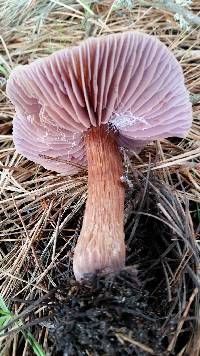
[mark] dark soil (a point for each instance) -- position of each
(106, 318)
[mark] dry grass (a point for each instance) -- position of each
(37, 207)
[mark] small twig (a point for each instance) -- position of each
(180, 325)
(176, 9)
(57, 159)
(143, 347)
(13, 168)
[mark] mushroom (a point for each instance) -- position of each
(82, 105)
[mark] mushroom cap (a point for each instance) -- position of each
(130, 81)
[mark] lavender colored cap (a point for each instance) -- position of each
(130, 81)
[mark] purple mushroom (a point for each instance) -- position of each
(82, 104)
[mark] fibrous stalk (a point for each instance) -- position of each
(100, 246)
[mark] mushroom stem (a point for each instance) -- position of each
(101, 246)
